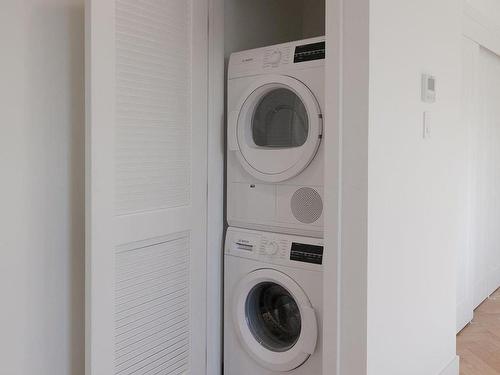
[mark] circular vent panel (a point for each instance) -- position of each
(307, 205)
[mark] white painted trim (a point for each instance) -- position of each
(332, 136)
(452, 368)
(346, 186)
(481, 28)
(99, 188)
(215, 210)
(470, 60)
(199, 185)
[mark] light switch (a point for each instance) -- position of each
(427, 125)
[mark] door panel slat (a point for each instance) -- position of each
(137, 349)
(153, 167)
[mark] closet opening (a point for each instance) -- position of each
(273, 201)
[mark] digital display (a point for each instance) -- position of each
(306, 253)
(431, 84)
(309, 52)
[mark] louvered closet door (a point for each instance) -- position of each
(146, 186)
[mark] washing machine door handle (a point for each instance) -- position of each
(310, 329)
(232, 126)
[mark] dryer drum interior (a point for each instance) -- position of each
(280, 120)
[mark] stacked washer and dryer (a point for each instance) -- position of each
(274, 247)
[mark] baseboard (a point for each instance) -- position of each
(452, 368)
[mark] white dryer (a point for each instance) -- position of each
(274, 137)
(272, 304)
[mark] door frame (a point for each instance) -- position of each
(470, 56)
(333, 166)
(480, 28)
(479, 31)
(216, 186)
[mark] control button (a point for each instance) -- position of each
(271, 248)
(275, 57)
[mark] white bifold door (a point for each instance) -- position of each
(146, 186)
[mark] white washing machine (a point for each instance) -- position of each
(274, 136)
(272, 304)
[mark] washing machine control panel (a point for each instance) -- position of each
(273, 248)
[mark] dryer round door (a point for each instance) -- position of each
(274, 320)
(278, 128)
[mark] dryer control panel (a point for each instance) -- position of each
(293, 251)
(299, 54)
(276, 56)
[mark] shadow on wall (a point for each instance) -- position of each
(54, 102)
(259, 23)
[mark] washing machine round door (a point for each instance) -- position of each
(277, 129)
(274, 320)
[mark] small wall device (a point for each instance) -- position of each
(428, 88)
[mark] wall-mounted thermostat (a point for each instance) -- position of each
(428, 88)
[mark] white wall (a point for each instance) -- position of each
(41, 159)
(415, 215)
(401, 198)
(491, 8)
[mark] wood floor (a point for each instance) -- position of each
(478, 345)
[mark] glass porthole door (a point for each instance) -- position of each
(274, 320)
(277, 129)
(273, 316)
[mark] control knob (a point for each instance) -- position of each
(275, 57)
(271, 248)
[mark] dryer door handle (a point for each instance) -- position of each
(232, 128)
